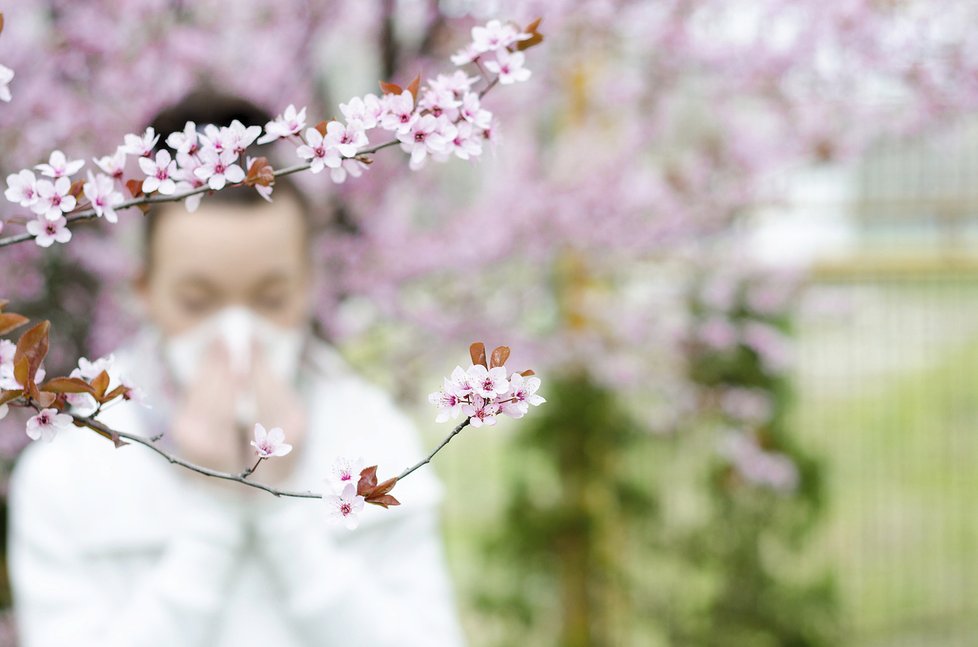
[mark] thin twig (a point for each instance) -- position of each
(108, 432)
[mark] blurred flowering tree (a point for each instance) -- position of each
(651, 128)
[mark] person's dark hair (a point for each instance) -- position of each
(205, 107)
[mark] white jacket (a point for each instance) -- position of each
(118, 548)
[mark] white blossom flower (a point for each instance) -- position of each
(59, 166)
(347, 139)
(318, 151)
(22, 188)
(270, 443)
(426, 135)
(481, 411)
(449, 403)
(488, 382)
(239, 137)
(440, 102)
(467, 142)
(90, 369)
(133, 392)
(459, 83)
(140, 145)
(54, 198)
(6, 76)
(367, 110)
(346, 506)
(113, 165)
(472, 111)
(218, 168)
(495, 35)
(286, 124)
(509, 66)
(399, 115)
(158, 173)
(47, 232)
(100, 191)
(343, 472)
(466, 55)
(184, 141)
(349, 167)
(47, 423)
(522, 393)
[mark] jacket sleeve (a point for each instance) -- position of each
(60, 600)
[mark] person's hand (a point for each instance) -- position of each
(277, 404)
(204, 427)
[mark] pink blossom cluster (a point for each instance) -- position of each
(343, 503)
(482, 393)
(439, 121)
(757, 465)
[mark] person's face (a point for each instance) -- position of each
(228, 254)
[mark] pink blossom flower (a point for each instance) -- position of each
(286, 124)
(59, 166)
(449, 403)
(140, 145)
(343, 472)
(54, 198)
(400, 114)
(345, 138)
(426, 135)
(758, 466)
(47, 232)
(466, 55)
(488, 382)
(440, 102)
(185, 141)
(459, 83)
(47, 423)
(100, 191)
(481, 411)
(509, 66)
(467, 142)
(6, 76)
(134, 393)
(718, 333)
(113, 165)
(318, 151)
(90, 369)
(460, 383)
(7, 351)
(495, 35)
(366, 111)
(22, 188)
(346, 506)
(522, 393)
(271, 442)
(239, 137)
(158, 173)
(218, 168)
(472, 111)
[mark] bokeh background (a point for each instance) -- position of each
(733, 236)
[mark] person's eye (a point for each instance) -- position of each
(270, 301)
(193, 304)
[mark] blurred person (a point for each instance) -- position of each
(118, 548)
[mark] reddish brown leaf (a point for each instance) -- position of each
(477, 351)
(76, 187)
(32, 347)
(384, 501)
(321, 127)
(99, 385)
(527, 373)
(114, 393)
(390, 88)
(499, 356)
(368, 480)
(414, 86)
(67, 385)
(135, 188)
(1, 22)
(535, 36)
(10, 321)
(260, 172)
(9, 396)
